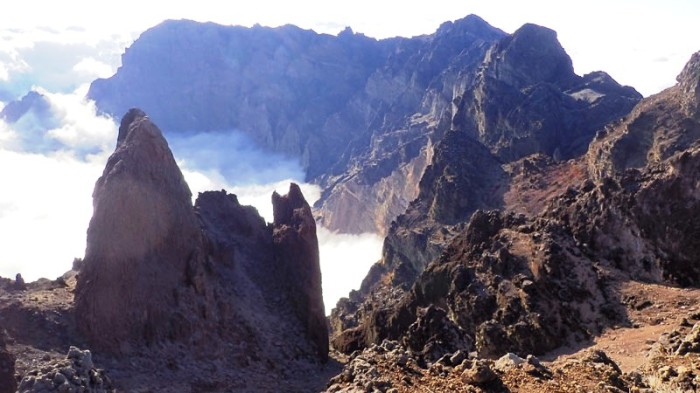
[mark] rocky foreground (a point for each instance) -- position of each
(172, 296)
(583, 253)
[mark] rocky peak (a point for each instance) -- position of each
(689, 84)
(160, 272)
(456, 183)
(125, 126)
(656, 129)
(532, 54)
(291, 208)
(297, 257)
(526, 99)
(471, 24)
(141, 239)
(32, 101)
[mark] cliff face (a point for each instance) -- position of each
(523, 99)
(653, 153)
(142, 241)
(659, 127)
(369, 138)
(8, 384)
(161, 272)
(297, 257)
(269, 83)
(520, 283)
(527, 99)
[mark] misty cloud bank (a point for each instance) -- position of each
(233, 156)
(54, 149)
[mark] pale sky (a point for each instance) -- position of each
(58, 48)
(643, 43)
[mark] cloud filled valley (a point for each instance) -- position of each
(53, 150)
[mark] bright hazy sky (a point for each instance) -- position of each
(58, 48)
(643, 43)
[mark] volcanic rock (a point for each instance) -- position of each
(450, 191)
(527, 285)
(433, 335)
(513, 107)
(479, 374)
(8, 384)
(143, 244)
(656, 129)
(527, 99)
(368, 140)
(297, 257)
(75, 373)
(160, 272)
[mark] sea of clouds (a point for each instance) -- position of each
(51, 158)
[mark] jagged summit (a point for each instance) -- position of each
(656, 129)
(689, 83)
(473, 24)
(126, 123)
(532, 54)
(297, 257)
(142, 237)
(161, 273)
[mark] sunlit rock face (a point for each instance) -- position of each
(297, 257)
(530, 282)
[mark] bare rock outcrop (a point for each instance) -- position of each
(529, 284)
(451, 189)
(527, 99)
(523, 99)
(160, 272)
(142, 242)
(297, 255)
(75, 373)
(659, 127)
(8, 384)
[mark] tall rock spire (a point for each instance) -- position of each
(140, 242)
(297, 255)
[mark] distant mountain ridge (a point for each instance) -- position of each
(362, 115)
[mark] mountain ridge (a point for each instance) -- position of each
(528, 211)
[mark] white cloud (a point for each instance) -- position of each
(45, 207)
(93, 68)
(46, 203)
(80, 128)
(58, 61)
(345, 261)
